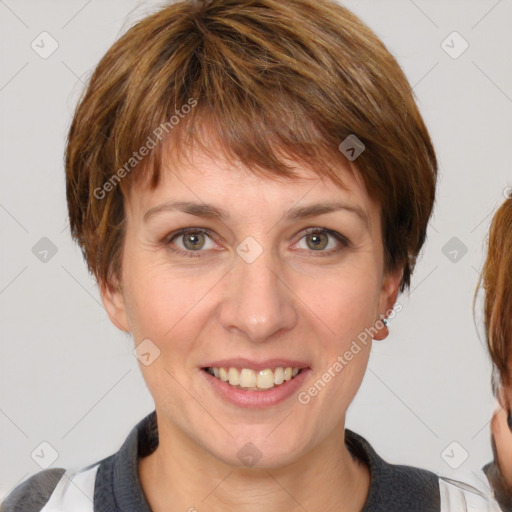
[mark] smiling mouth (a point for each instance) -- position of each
(254, 380)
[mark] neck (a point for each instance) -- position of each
(180, 472)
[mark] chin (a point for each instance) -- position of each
(258, 449)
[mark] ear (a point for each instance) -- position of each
(388, 296)
(114, 302)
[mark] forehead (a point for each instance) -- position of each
(238, 191)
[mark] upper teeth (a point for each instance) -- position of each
(256, 379)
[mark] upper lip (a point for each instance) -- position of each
(240, 362)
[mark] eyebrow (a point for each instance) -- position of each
(209, 211)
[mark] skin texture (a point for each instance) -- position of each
(503, 436)
(291, 302)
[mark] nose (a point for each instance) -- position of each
(257, 303)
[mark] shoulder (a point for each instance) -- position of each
(469, 492)
(33, 494)
(107, 485)
(55, 490)
(395, 487)
(497, 483)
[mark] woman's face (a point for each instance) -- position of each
(276, 282)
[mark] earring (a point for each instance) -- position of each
(383, 331)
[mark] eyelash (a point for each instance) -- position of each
(190, 254)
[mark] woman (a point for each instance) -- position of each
(250, 183)
(497, 283)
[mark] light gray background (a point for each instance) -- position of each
(69, 378)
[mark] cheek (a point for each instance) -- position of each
(156, 303)
(348, 308)
(345, 302)
(162, 301)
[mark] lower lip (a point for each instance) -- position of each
(257, 399)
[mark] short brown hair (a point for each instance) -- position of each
(497, 283)
(269, 78)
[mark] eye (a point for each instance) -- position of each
(186, 242)
(192, 240)
(317, 239)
